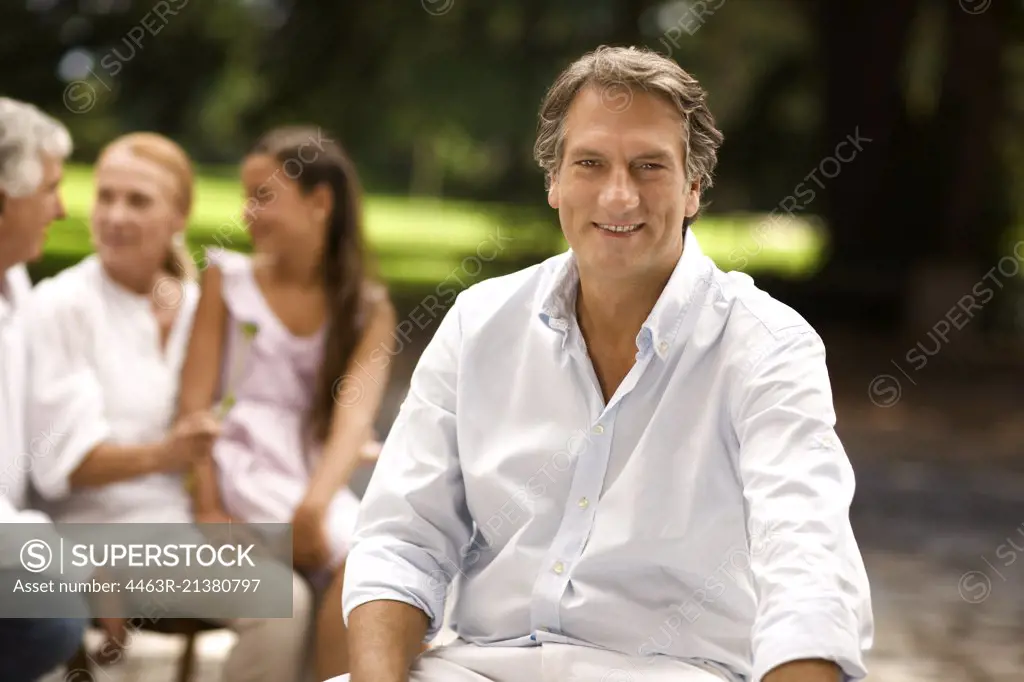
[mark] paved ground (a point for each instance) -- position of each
(948, 589)
(939, 515)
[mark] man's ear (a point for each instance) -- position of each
(553, 194)
(693, 199)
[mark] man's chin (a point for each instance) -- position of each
(22, 257)
(37, 252)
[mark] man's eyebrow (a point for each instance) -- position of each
(584, 151)
(654, 156)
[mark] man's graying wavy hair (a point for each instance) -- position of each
(612, 69)
(26, 135)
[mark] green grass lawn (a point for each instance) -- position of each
(420, 242)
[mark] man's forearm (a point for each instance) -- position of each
(384, 639)
(815, 670)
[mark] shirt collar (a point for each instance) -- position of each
(14, 289)
(688, 285)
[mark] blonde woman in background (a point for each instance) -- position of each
(108, 337)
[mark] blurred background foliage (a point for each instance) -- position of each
(437, 100)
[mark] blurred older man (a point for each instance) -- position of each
(33, 147)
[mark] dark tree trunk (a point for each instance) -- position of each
(864, 47)
(914, 218)
(962, 213)
(967, 130)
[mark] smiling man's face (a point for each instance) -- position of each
(24, 220)
(621, 190)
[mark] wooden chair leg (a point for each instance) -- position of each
(79, 662)
(187, 663)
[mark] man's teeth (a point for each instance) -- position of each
(620, 228)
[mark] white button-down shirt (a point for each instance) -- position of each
(15, 447)
(99, 374)
(702, 513)
(18, 450)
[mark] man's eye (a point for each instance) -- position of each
(587, 163)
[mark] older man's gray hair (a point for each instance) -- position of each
(26, 136)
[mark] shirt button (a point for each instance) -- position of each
(583, 503)
(559, 567)
(663, 347)
(598, 429)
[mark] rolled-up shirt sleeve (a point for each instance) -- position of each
(813, 594)
(413, 521)
(66, 413)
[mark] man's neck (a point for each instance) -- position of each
(5, 288)
(614, 311)
(5, 268)
(7, 302)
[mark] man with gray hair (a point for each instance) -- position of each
(33, 147)
(623, 458)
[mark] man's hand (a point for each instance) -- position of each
(811, 670)
(309, 542)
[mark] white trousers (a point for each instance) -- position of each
(462, 662)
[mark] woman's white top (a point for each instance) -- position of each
(98, 374)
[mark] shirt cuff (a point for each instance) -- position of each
(829, 635)
(369, 577)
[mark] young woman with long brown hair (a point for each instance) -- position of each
(286, 350)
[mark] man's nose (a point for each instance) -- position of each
(620, 193)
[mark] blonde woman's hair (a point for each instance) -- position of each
(619, 72)
(169, 155)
